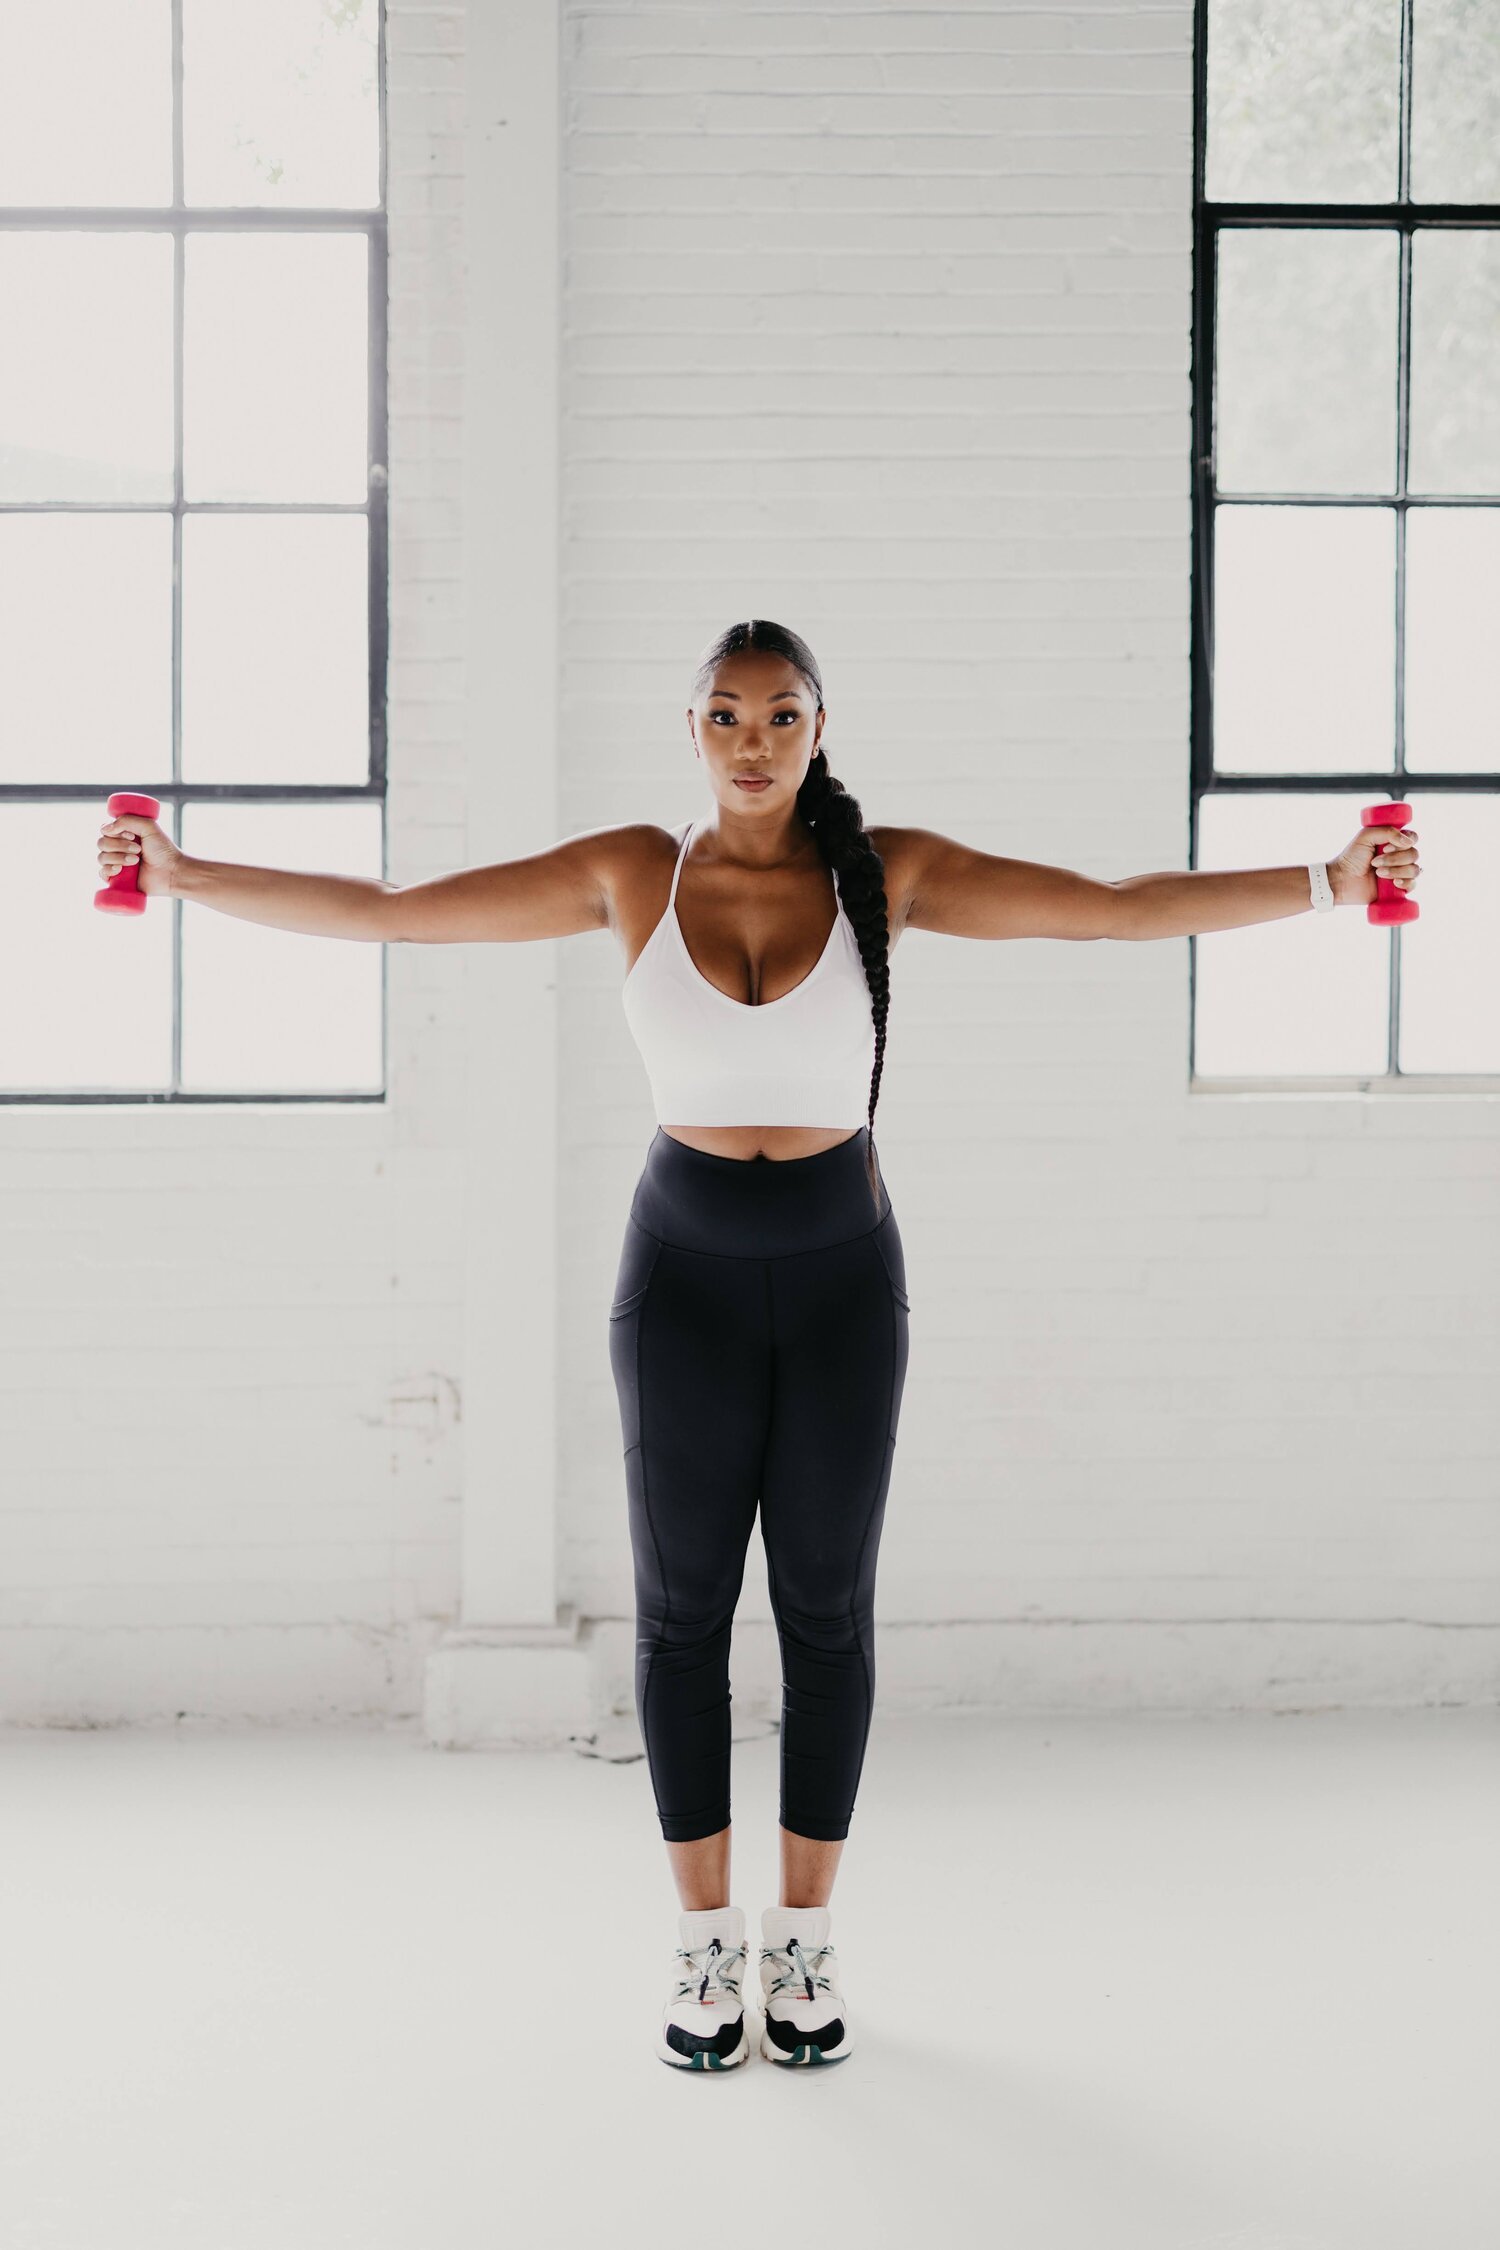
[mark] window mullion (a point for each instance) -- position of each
(179, 233)
(1403, 130)
(1403, 452)
(1403, 447)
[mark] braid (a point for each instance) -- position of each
(838, 826)
(844, 841)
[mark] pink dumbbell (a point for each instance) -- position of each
(1389, 903)
(120, 895)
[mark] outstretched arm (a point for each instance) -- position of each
(935, 883)
(552, 893)
(549, 893)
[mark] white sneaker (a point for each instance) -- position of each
(806, 2019)
(703, 2026)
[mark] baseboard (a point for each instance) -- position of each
(573, 1683)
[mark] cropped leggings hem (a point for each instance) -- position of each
(759, 1344)
(688, 1831)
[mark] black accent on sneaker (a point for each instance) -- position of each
(720, 2042)
(787, 2036)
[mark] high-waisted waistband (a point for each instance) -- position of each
(756, 1207)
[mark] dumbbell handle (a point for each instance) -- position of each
(121, 894)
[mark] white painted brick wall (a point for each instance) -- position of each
(877, 322)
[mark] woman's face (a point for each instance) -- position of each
(757, 717)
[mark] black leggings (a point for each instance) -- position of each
(758, 1337)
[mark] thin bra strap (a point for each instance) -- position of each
(681, 856)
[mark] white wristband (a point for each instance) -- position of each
(1322, 889)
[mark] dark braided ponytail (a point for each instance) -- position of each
(838, 826)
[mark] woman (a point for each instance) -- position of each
(759, 1326)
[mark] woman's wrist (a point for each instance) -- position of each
(1320, 887)
(180, 875)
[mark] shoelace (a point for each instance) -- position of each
(800, 1967)
(717, 1965)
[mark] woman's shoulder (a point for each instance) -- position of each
(630, 848)
(634, 861)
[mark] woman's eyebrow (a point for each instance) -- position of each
(782, 695)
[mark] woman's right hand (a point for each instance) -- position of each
(131, 840)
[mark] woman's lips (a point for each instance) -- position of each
(758, 781)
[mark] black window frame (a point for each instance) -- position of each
(179, 219)
(1210, 220)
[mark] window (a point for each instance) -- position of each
(192, 532)
(1346, 469)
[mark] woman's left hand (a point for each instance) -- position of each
(1391, 852)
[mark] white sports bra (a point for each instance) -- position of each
(805, 1059)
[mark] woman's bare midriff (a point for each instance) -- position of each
(781, 1143)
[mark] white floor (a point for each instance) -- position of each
(1116, 1985)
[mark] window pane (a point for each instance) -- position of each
(85, 647)
(276, 1011)
(1455, 102)
(1455, 360)
(85, 101)
(1306, 391)
(1302, 100)
(1304, 996)
(1304, 639)
(94, 1015)
(78, 306)
(279, 103)
(1452, 648)
(276, 375)
(275, 648)
(1450, 959)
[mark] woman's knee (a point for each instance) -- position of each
(828, 1631)
(683, 1632)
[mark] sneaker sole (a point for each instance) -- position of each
(807, 2052)
(704, 2061)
